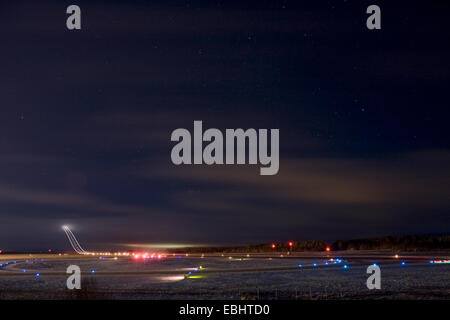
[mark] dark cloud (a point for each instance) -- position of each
(86, 118)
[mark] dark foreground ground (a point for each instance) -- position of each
(245, 276)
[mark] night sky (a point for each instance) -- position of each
(86, 118)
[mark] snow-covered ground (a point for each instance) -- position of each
(211, 278)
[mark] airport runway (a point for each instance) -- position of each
(328, 260)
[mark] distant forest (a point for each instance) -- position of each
(395, 243)
(403, 243)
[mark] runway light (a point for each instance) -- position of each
(92, 271)
(396, 256)
(442, 261)
(291, 243)
(37, 274)
(327, 249)
(314, 264)
(345, 266)
(23, 270)
(431, 261)
(273, 246)
(300, 265)
(196, 277)
(403, 263)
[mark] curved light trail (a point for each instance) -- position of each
(73, 241)
(79, 249)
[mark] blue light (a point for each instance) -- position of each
(24, 270)
(300, 265)
(92, 271)
(326, 263)
(314, 264)
(431, 261)
(179, 257)
(375, 265)
(37, 274)
(345, 266)
(190, 272)
(403, 263)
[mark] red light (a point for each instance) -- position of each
(146, 256)
(273, 245)
(1, 251)
(327, 249)
(291, 244)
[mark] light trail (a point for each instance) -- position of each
(74, 242)
(79, 249)
(77, 243)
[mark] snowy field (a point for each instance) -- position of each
(183, 277)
